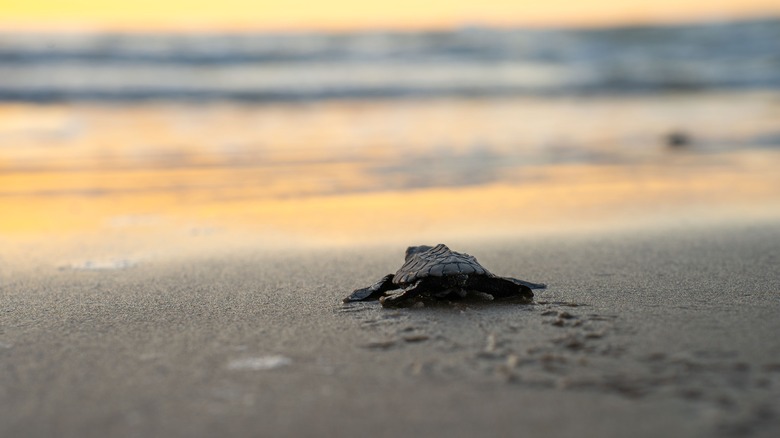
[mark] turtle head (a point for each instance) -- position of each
(412, 250)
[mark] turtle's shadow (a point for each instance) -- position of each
(466, 303)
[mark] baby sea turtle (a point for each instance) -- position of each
(438, 272)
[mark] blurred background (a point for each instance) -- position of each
(130, 127)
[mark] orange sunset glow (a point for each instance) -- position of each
(352, 14)
(138, 169)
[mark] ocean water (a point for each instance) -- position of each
(143, 140)
(467, 62)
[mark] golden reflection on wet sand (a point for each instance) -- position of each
(157, 177)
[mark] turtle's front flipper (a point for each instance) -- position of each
(499, 287)
(404, 298)
(528, 284)
(374, 291)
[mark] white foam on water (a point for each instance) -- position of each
(259, 363)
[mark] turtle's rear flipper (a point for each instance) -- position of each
(499, 287)
(374, 291)
(527, 284)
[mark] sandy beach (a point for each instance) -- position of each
(181, 215)
(643, 334)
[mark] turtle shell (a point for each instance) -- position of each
(438, 261)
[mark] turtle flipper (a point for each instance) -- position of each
(372, 292)
(499, 287)
(527, 283)
(402, 298)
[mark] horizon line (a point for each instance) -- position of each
(203, 27)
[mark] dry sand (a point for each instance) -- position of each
(650, 334)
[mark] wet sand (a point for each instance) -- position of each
(654, 333)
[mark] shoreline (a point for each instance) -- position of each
(41, 230)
